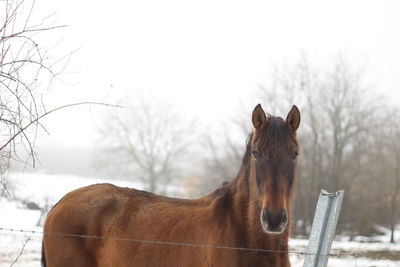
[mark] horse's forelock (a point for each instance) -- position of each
(275, 138)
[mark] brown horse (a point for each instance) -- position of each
(252, 211)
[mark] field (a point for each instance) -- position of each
(47, 189)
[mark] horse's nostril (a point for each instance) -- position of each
(275, 221)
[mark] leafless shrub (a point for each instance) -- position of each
(26, 72)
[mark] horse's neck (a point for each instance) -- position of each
(247, 210)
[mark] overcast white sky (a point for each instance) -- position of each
(207, 55)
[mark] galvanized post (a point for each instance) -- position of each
(323, 229)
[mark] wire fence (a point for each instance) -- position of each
(155, 242)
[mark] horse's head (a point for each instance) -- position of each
(274, 152)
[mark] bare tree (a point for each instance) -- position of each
(395, 149)
(350, 110)
(387, 162)
(26, 72)
(220, 162)
(146, 140)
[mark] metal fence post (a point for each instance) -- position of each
(323, 229)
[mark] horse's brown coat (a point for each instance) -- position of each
(230, 216)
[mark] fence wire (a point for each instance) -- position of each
(302, 253)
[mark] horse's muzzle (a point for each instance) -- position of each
(274, 222)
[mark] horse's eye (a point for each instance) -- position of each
(295, 154)
(256, 154)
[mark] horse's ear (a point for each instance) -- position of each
(293, 119)
(259, 118)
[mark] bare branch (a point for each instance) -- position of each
(21, 251)
(22, 129)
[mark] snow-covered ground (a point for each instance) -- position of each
(48, 189)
